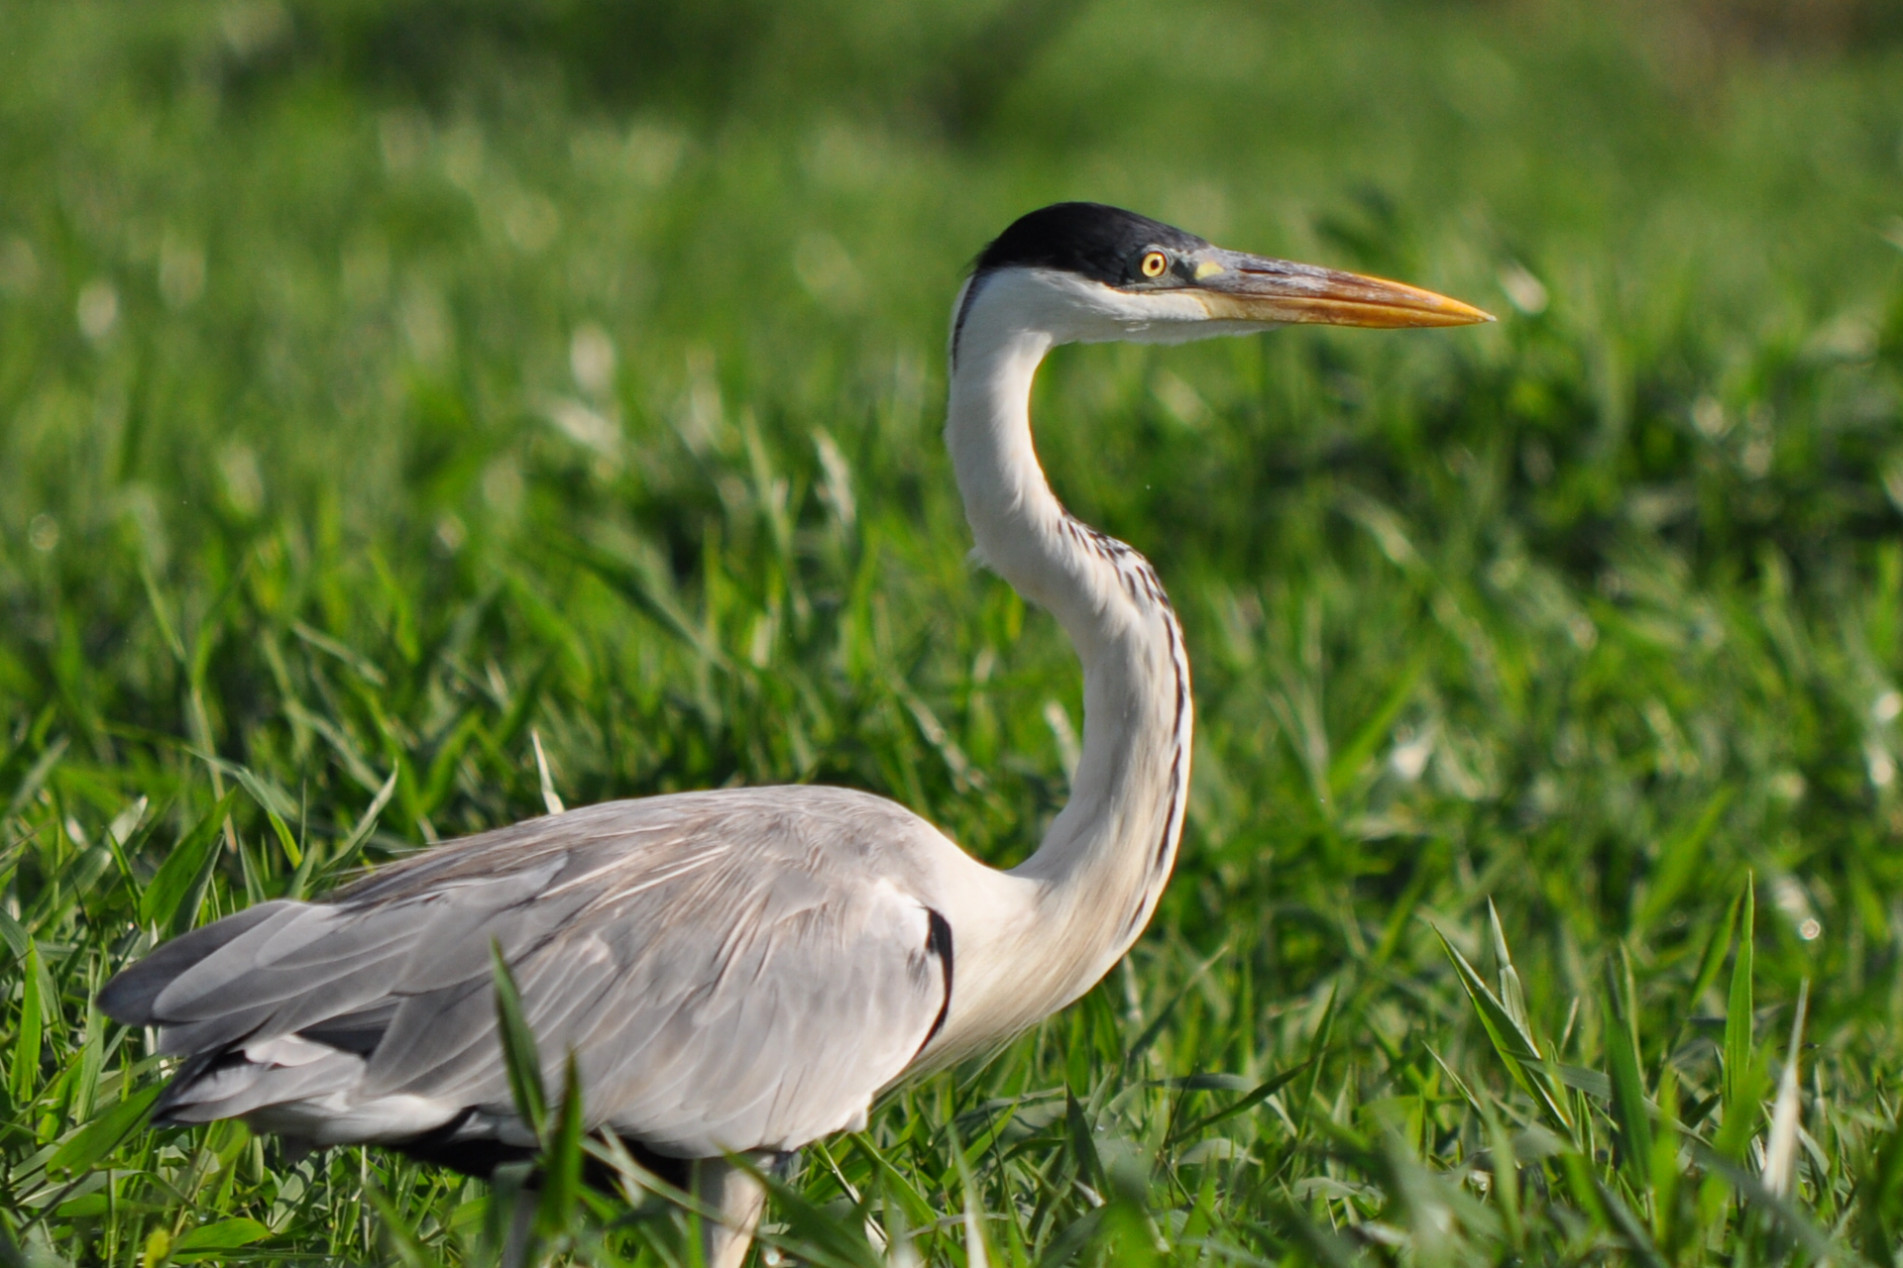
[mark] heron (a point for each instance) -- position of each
(736, 973)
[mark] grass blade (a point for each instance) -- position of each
(1353, 755)
(171, 899)
(102, 1135)
(562, 1158)
(23, 1075)
(1256, 1095)
(1628, 1086)
(1780, 1152)
(409, 1248)
(1879, 1217)
(1634, 1233)
(1517, 1048)
(1678, 861)
(347, 852)
(1739, 1080)
(518, 1047)
(1152, 1031)
(977, 1250)
(209, 1241)
(1711, 961)
(551, 800)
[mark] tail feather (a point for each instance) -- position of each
(129, 996)
(239, 1080)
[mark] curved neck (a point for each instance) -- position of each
(1102, 865)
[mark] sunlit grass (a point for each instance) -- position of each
(355, 434)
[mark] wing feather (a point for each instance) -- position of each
(734, 970)
(131, 995)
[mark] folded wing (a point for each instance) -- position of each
(733, 970)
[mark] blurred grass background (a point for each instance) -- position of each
(383, 383)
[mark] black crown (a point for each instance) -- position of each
(1099, 242)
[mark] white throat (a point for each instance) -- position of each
(1102, 865)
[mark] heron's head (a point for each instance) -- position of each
(1087, 273)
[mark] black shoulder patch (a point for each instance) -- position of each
(938, 942)
(1090, 239)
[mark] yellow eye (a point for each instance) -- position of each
(1154, 262)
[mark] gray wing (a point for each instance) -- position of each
(734, 970)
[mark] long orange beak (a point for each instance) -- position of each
(1233, 286)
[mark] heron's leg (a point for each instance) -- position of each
(739, 1198)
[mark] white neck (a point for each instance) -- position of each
(1105, 860)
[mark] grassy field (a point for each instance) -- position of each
(387, 386)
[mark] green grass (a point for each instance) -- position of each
(377, 397)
